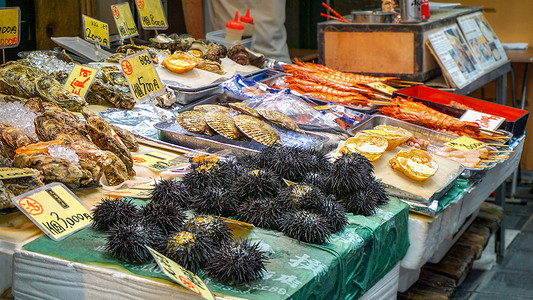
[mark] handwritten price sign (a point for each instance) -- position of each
(80, 80)
(141, 76)
(141, 191)
(154, 160)
(54, 209)
(380, 86)
(151, 14)
(465, 143)
(124, 20)
(96, 31)
(485, 121)
(181, 275)
(9, 173)
(9, 27)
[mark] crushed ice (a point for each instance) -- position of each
(16, 115)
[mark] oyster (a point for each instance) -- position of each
(113, 76)
(47, 128)
(130, 49)
(238, 54)
(5, 160)
(210, 66)
(103, 93)
(257, 130)
(243, 108)
(13, 138)
(127, 138)
(212, 108)
(115, 58)
(223, 125)
(66, 118)
(415, 164)
(256, 59)
(10, 188)
(184, 42)
(194, 122)
(54, 169)
(51, 90)
(66, 57)
(162, 41)
(280, 120)
(95, 120)
(18, 80)
(198, 48)
(215, 52)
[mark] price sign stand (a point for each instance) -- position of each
(142, 78)
(151, 15)
(124, 21)
(9, 29)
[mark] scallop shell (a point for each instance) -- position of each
(280, 120)
(243, 108)
(223, 125)
(257, 130)
(212, 108)
(194, 122)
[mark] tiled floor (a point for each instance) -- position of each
(513, 277)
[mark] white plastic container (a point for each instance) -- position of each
(219, 36)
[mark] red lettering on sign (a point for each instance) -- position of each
(126, 66)
(31, 206)
(189, 284)
(138, 159)
(116, 13)
(140, 4)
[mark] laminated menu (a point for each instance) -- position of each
(485, 45)
(455, 57)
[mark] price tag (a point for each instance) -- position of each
(151, 14)
(96, 31)
(124, 20)
(54, 209)
(80, 80)
(10, 173)
(9, 27)
(141, 76)
(465, 143)
(485, 121)
(380, 86)
(154, 160)
(324, 107)
(181, 275)
(141, 191)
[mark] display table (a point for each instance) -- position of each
(352, 263)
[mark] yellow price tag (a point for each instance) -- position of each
(154, 160)
(124, 20)
(380, 86)
(141, 75)
(54, 209)
(151, 14)
(141, 191)
(323, 107)
(9, 173)
(96, 31)
(465, 143)
(9, 27)
(179, 274)
(80, 80)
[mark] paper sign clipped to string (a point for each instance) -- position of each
(484, 120)
(54, 209)
(465, 143)
(9, 27)
(124, 20)
(181, 275)
(80, 80)
(151, 14)
(141, 75)
(95, 31)
(380, 86)
(154, 160)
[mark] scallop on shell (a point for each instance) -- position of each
(243, 108)
(257, 130)
(223, 125)
(212, 108)
(280, 120)
(194, 122)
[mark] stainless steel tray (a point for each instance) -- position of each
(173, 133)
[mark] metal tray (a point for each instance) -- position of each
(364, 109)
(434, 137)
(173, 133)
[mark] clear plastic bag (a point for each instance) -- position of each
(241, 88)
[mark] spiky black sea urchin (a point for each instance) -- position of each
(256, 183)
(291, 163)
(214, 200)
(168, 217)
(110, 211)
(238, 262)
(349, 173)
(127, 242)
(192, 251)
(305, 226)
(263, 211)
(211, 226)
(167, 191)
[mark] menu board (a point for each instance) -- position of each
(459, 65)
(485, 45)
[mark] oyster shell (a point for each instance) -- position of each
(223, 125)
(210, 66)
(102, 93)
(257, 130)
(127, 138)
(212, 108)
(243, 108)
(10, 188)
(115, 58)
(162, 41)
(215, 52)
(280, 120)
(194, 122)
(198, 48)
(51, 90)
(13, 138)
(113, 76)
(238, 54)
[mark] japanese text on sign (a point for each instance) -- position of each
(181, 275)
(380, 86)
(141, 76)
(124, 20)
(465, 143)
(8, 173)
(96, 31)
(484, 120)
(54, 209)
(151, 14)
(154, 160)
(9, 27)
(80, 79)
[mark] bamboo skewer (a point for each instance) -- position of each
(334, 18)
(334, 12)
(502, 151)
(497, 145)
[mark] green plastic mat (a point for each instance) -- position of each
(348, 266)
(454, 194)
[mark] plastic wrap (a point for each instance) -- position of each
(241, 88)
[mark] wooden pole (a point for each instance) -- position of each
(3, 56)
(131, 41)
(156, 33)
